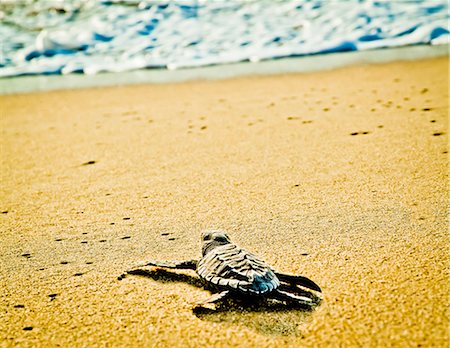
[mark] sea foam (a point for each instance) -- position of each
(88, 37)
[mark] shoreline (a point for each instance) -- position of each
(313, 63)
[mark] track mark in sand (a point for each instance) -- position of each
(357, 133)
(89, 163)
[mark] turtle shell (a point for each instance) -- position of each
(230, 267)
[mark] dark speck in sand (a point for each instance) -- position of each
(102, 240)
(112, 223)
(28, 328)
(380, 126)
(64, 262)
(89, 263)
(88, 163)
(4, 212)
(423, 91)
(172, 238)
(354, 133)
(306, 122)
(426, 109)
(165, 234)
(304, 254)
(78, 274)
(58, 239)
(433, 121)
(84, 242)
(290, 118)
(438, 134)
(26, 255)
(126, 218)
(52, 296)
(203, 127)
(126, 237)
(19, 306)
(84, 233)
(365, 132)
(296, 185)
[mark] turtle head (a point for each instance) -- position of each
(212, 239)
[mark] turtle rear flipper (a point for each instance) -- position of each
(301, 301)
(298, 280)
(210, 303)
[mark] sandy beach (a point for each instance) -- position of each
(340, 176)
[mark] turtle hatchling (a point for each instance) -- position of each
(231, 271)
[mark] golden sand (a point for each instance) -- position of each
(340, 176)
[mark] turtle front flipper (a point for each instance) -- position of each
(210, 303)
(187, 264)
(294, 280)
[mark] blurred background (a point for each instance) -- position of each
(92, 36)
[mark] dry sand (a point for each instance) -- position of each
(340, 176)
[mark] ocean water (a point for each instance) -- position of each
(91, 36)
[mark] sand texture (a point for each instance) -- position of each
(340, 176)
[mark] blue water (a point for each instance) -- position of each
(88, 37)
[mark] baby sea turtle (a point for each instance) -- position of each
(231, 271)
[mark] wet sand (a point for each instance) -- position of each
(340, 176)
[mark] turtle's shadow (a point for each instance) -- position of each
(264, 316)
